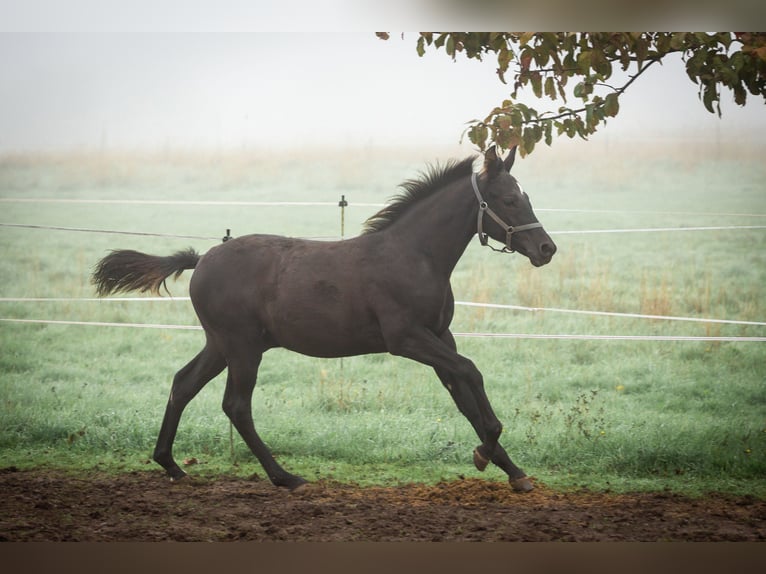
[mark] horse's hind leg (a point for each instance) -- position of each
(243, 372)
(186, 384)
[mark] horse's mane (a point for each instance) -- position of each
(415, 190)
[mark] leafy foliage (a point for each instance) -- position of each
(563, 66)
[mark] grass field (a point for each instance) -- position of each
(605, 414)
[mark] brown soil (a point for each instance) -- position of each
(144, 506)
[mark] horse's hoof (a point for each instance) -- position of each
(479, 461)
(184, 479)
(291, 482)
(522, 484)
(302, 488)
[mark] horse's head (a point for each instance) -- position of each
(506, 214)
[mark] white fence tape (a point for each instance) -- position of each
(171, 202)
(608, 337)
(459, 303)
(555, 232)
(471, 335)
(610, 314)
(103, 324)
(87, 299)
(656, 229)
(224, 203)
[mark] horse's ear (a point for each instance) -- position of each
(492, 163)
(508, 162)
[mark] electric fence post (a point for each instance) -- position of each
(342, 204)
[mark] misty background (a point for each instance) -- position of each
(268, 90)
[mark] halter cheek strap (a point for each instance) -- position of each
(509, 229)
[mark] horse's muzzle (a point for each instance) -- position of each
(544, 254)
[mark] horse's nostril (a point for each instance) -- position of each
(548, 249)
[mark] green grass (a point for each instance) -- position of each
(618, 415)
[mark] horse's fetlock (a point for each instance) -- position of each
(161, 457)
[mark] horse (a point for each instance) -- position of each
(385, 290)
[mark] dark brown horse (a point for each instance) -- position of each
(387, 290)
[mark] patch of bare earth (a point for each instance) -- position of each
(39, 505)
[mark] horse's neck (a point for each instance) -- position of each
(440, 226)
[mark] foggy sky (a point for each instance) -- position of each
(63, 91)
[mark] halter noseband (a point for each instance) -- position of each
(509, 229)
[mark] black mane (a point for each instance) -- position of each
(415, 190)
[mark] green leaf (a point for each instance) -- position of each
(725, 38)
(590, 117)
(600, 64)
(451, 47)
(737, 61)
(569, 127)
(421, 46)
(497, 41)
(542, 57)
(583, 90)
(478, 135)
(503, 138)
(740, 95)
(710, 95)
(547, 128)
(583, 61)
(516, 118)
(529, 140)
(611, 105)
(641, 50)
(504, 57)
(525, 110)
(696, 66)
(580, 128)
(504, 122)
(678, 40)
(473, 44)
(550, 87)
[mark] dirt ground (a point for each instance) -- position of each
(143, 506)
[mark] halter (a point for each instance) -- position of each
(509, 229)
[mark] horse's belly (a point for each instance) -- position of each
(325, 329)
(326, 340)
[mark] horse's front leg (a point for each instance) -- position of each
(466, 404)
(467, 385)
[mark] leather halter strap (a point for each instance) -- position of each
(485, 209)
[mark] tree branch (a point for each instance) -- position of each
(543, 117)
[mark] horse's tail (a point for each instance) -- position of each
(128, 270)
